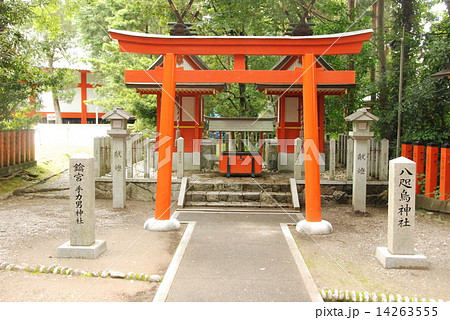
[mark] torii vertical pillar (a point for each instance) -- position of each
(313, 223)
(162, 220)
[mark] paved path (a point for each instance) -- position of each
(237, 257)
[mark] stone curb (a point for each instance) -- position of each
(353, 296)
(55, 269)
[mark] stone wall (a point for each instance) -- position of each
(337, 192)
(333, 192)
(137, 189)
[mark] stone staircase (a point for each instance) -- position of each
(242, 194)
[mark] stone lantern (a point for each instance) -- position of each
(119, 133)
(361, 124)
(119, 119)
(361, 134)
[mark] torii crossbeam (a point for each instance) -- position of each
(309, 75)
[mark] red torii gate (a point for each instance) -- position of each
(309, 75)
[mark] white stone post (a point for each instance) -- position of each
(82, 242)
(97, 156)
(118, 169)
(350, 159)
(332, 168)
(196, 163)
(298, 164)
(146, 147)
(361, 134)
(128, 156)
(359, 175)
(180, 157)
(152, 156)
(377, 159)
(149, 151)
(400, 251)
(231, 142)
(384, 159)
(369, 158)
(272, 154)
(373, 156)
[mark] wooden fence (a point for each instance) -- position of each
(138, 149)
(17, 150)
(377, 156)
(432, 168)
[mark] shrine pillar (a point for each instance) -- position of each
(162, 220)
(313, 223)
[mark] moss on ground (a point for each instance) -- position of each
(50, 160)
(24, 178)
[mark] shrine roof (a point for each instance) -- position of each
(191, 62)
(162, 36)
(443, 74)
(279, 89)
(280, 65)
(288, 62)
(331, 44)
(195, 59)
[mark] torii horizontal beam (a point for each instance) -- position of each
(333, 44)
(239, 76)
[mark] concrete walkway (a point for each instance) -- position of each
(240, 256)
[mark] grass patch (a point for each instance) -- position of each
(51, 159)
(24, 178)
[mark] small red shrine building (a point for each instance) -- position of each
(289, 108)
(189, 116)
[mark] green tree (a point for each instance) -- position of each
(53, 37)
(269, 17)
(93, 20)
(424, 99)
(19, 79)
(426, 106)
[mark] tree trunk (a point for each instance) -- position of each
(242, 100)
(55, 99)
(383, 89)
(373, 96)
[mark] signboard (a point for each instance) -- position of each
(51, 117)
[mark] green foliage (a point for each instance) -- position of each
(19, 79)
(58, 24)
(94, 18)
(24, 118)
(426, 107)
(425, 104)
(53, 36)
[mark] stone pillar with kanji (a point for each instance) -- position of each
(82, 242)
(119, 133)
(361, 134)
(400, 252)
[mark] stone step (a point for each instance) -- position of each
(214, 196)
(232, 196)
(226, 204)
(238, 187)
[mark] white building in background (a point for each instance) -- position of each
(77, 111)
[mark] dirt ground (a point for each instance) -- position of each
(31, 229)
(345, 260)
